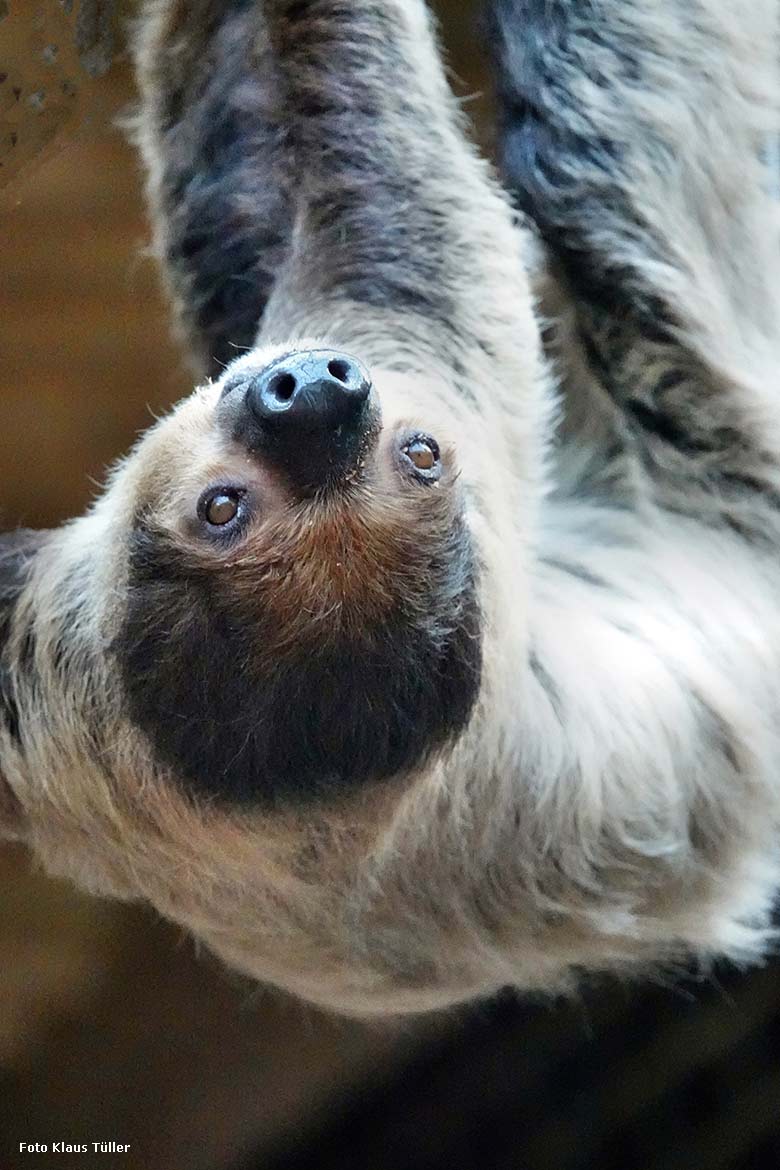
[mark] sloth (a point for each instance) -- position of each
(432, 645)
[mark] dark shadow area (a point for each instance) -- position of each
(677, 1078)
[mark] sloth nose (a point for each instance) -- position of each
(312, 390)
(310, 413)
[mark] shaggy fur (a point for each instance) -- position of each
(604, 539)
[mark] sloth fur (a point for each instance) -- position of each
(403, 744)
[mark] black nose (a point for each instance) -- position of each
(309, 412)
(313, 390)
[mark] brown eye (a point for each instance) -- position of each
(423, 453)
(221, 507)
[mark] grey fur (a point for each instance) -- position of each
(643, 171)
(224, 220)
(613, 800)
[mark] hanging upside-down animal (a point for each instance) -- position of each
(435, 644)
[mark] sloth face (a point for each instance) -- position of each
(301, 613)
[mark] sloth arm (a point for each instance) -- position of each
(307, 164)
(632, 136)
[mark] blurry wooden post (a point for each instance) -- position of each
(53, 57)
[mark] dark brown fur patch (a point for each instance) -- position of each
(340, 645)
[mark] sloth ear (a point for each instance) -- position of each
(17, 555)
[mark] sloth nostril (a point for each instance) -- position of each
(283, 387)
(339, 369)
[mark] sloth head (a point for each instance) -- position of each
(238, 683)
(300, 597)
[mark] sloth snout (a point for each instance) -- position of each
(312, 390)
(310, 412)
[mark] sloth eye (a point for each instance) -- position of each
(219, 506)
(423, 453)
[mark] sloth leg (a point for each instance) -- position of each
(633, 135)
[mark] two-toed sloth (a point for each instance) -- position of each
(435, 644)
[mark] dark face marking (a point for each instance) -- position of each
(342, 649)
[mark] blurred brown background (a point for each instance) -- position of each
(110, 1025)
